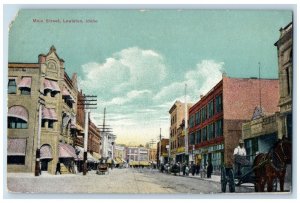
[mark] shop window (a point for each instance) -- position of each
(17, 160)
(12, 86)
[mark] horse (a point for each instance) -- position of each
(272, 165)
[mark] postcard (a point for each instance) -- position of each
(150, 101)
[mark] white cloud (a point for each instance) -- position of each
(131, 68)
(130, 96)
(199, 81)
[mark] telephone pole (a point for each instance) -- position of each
(87, 103)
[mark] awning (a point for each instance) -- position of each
(16, 147)
(66, 151)
(25, 82)
(18, 112)
(49, 114)
(46, 152)
(96, 155)
(73, 122)
(79, 127)
(66, 94)
(90, 158)
(51, 85)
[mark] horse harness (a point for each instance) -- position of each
(274, 160)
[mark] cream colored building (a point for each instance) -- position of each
(176, 117)
(285, 66)
(45, 84)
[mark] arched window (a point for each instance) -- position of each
(17, 117)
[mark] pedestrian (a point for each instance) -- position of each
(58, 168)
(183, 169)
(193, 168)
(197, 169)
(209, 169)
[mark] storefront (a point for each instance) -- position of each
(214, 153)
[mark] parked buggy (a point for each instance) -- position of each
(102, 167)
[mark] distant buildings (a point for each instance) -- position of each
(138, 156)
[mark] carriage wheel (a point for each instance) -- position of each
(275, 185)
(231, 180)
(223, 179)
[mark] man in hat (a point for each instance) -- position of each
(240, 156)
(240, 150)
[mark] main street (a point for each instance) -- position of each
(127, 180)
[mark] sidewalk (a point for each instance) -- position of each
(214, 178)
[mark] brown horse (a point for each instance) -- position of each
(271, 166)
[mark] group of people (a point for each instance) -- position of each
(194, 169)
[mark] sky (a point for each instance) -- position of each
(138, 61)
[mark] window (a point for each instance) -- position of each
(12, 86)
(210, 131)
(192, 138)
(17, 123)
(198, 118)
(198, 137)
(288, 81)
(50, 123)
(192, 121)
(17, 160)
(203, 134)
(210, 109)
(219, 128)
(43, 122)
(204, 113)
(25, 90)
(219, 105)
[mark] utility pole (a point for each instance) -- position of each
(259, 86)
(88, 102)
(104, 129)
(41, 103)
(185, 123)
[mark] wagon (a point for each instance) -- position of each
(102, 167)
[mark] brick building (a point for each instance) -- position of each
(41, 93)
(162, 151)
(215, 121)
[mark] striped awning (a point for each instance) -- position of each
(66, 94)
(46, 152)
(51, 85)
(18, 112)
(25, 82)
(96, 155)
(66, 151)
(16, 147)
(90, 158)
(49, 114)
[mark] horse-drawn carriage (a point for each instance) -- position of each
(102, 167)
(267, 168)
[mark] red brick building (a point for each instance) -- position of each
(215, 121)
(162, 151)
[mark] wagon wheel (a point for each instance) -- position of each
(231, 180)
(223, 179)
(275, 184)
